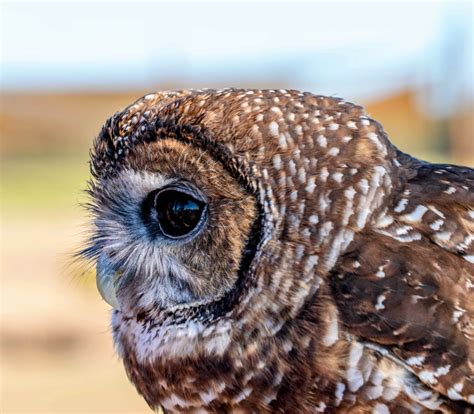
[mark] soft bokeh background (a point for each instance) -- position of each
(66, 67)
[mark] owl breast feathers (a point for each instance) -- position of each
(272, 251)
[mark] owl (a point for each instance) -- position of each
(270, 251)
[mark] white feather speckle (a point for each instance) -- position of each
(380, 272)
(380, 300)
(416, 215)
(436, 225)
(311, 185)
(332, 332)
(273, 128)
(416, 360)
(469, 258)
(322, 141)
(337, 176)
(333, 151)
(380, 408)
(351, 125)
(428, 377)
(401, 205)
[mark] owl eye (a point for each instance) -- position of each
(178, 212)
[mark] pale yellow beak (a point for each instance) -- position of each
(106, 278)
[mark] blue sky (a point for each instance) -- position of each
(337, 48)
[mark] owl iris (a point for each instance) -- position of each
(178, 213)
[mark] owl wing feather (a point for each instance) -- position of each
(408, 284)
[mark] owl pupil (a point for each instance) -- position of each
(178, 213)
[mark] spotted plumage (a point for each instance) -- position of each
(316, 268)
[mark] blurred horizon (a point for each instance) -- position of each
(67, 67)
(306, 46)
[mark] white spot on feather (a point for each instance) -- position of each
(311, 185)
(172, 401)
(380, 273)
(208, 396)
(443, 370)
(273, 128)
(392, 387)
(243, 394)
(456, 315)
(453, 394)
(458, 386)
(351, 125)
(436, 225)
(469, 258)
(416, 215)
(401, 205)
(383, 221)
(332, 332)
(350, 193)
(282, 141)
(428, 377)
(380, 300)
(313, 219)
(311, 261)
(354, 379)
(364, 186)
(276, 161)
(444, 236)
(321, 407)
(374, 392)
(380, 408)
(337, 177)
(339, 394)
(301, 174)
(322, 141)
(416, 360)
(355, 353)
(333, 151)
(323, 174)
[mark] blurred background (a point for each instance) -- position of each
(65, 67)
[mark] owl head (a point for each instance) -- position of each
(204, 198)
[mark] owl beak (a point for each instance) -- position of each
(106, 278)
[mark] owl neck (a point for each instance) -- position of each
(229, 364)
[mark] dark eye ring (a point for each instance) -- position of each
(177, 211)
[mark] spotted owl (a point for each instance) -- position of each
(270, 251)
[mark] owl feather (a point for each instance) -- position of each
(271, 251)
